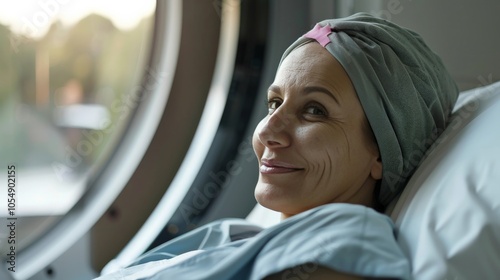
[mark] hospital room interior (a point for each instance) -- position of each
(127, 124)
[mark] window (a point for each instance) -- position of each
(70, 81)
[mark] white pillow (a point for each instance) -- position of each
(448, 216)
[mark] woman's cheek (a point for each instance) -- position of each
(256, 144)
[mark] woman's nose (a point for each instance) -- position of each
(274, 130)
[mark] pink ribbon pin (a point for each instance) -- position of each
(320, 34)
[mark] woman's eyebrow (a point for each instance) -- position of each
(274, 88)
(311, 89)
(306, 90)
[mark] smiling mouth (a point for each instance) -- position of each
(275, 167)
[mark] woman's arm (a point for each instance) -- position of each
(319, 273)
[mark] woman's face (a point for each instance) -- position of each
(315, 145)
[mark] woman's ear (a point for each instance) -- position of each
(376, 170)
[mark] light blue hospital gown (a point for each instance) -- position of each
(344, 237)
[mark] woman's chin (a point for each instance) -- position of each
(268, 201)
(274, 202)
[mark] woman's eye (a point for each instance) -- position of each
(272, 105)
(316, 110)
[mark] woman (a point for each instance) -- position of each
(315, 146)
(355, 104)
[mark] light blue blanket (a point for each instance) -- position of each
(344, 237)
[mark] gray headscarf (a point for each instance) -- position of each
(405, 90)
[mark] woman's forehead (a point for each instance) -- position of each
(312, 65)
(309, 55)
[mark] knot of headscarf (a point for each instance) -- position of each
(405, 90)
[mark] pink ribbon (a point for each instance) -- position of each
(320, 34)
